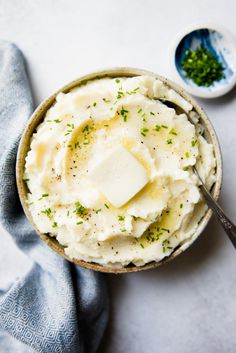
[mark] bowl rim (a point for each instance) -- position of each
(38, 116)
(198, 91)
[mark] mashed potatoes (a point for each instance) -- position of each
(109, 172)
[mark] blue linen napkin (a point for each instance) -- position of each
(55, 307)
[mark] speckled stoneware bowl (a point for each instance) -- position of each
(38, 116)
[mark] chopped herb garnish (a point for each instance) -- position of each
(120, 94)
(152, 113)
(142, 246)
(123, 112)
(121, 218)
(54, 121)
(117, 80)
(79, 210)
(47, 212)
(86, 141)
(94, 104)
(185, 168)
(187, 154)
(77, 144)
(181, 205)
(202, 67)
(99, 210)
(133, 92)
(169, 141)
(106, 205)
(80, 222)
(54, 225)
(144, 115)
(43, 195)
(164, 126)
(140, 110)
(193, 143)
(106, 100)
(165, 245)
(143, 131)
(157, 128)
(173, 132)
(123, 230)
(165, 230)
(69, 131)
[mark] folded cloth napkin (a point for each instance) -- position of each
(55, 306)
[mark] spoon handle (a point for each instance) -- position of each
(226, 223)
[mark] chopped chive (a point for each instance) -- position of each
(193, 143)
(164, 126)
(187, 154)
(169, 141)
(106, 100)
(106, 205)
(94, 104)
(54, 121)
(117, 80)
(152, 113)
(86, 141)
(47, 212)
(80, 222)
(133, 92)
(143, 131)
(166, 230)
(157, 128)
(173, 132)
(181, 205)
(121, 218)
(54, 225)
(79, 209)
(120, 94)
(99, 210)
(123, 113)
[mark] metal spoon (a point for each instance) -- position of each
(226, 223)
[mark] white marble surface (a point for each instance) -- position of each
(189, 305)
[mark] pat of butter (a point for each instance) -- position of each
(119, 176)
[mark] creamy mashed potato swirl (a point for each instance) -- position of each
(109, 172)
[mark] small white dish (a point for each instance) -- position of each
(220, 43)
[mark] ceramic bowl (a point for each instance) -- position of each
(220, 43)
(37, 118)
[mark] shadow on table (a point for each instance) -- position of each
(199, 255)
